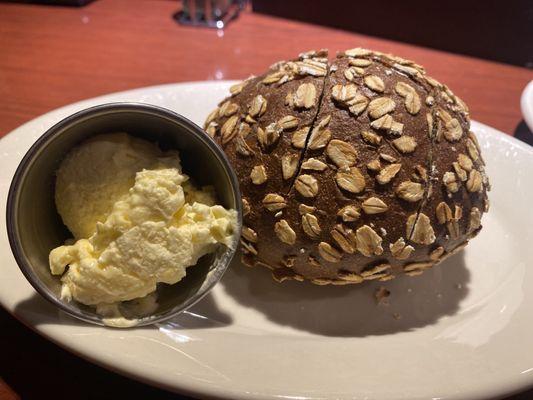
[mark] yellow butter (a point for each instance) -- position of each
(148, 234)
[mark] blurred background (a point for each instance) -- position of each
(51, 49)
(491, 29)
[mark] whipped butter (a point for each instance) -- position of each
(136, 218)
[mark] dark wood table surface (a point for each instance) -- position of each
(53, 56)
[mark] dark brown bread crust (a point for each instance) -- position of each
(387, 179)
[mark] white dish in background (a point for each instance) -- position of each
(465, 326)
(526, 103)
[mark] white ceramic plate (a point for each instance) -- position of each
(526, 103)
(464, 328)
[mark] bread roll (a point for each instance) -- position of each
(357, 169)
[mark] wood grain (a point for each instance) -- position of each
(6, 393)
(52, 56)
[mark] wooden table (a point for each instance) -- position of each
(53, 56)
